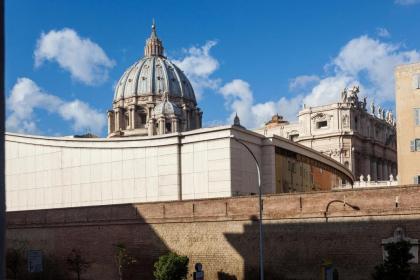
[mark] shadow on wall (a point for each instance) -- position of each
(94, 231)
(307, 250)
(220, 234)
(225, 276)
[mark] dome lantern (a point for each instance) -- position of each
(154, 46)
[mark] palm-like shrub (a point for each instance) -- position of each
(171, 267)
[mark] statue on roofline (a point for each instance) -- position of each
(344, 95)
(387, 116)
(379, 112)
(350, 95)
(364, 103)
(353, 98)
(372, 107)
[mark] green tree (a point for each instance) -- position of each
(171, 267)
(77, 263)
(122, 258)
(395, 266)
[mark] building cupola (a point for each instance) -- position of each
(154, 46)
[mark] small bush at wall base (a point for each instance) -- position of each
(396, 266)
(171, 267)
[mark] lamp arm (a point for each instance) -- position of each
(255, 159)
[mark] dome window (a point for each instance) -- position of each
(127, 120)
(168, 127)
(143, 118)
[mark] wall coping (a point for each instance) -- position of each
(373, 202)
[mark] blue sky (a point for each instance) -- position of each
(255, 58)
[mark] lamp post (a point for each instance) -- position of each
(354, 207)
(261, 257)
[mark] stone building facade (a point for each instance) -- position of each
(361, 138)
(153, 97)
(407, 82)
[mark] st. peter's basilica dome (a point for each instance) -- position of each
(151, 85)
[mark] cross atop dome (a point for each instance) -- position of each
(154, 46)
(153, 35)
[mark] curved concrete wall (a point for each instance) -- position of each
(55, 172)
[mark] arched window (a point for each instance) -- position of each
(142, 119)
(168, 127)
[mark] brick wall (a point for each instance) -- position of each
(223, 233)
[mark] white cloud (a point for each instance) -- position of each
(302, 82)
(374, 62)
(85, 60)
(362, 61)
(327, 90)
(26, 97)
(383, 32)
(198, 64)
(82, 116)
(407, 2)
(239, 100)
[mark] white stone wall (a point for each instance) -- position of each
(59, 172)
(206, 169)
(244, 170)
(50, 177)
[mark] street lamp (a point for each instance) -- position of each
(260, 206)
